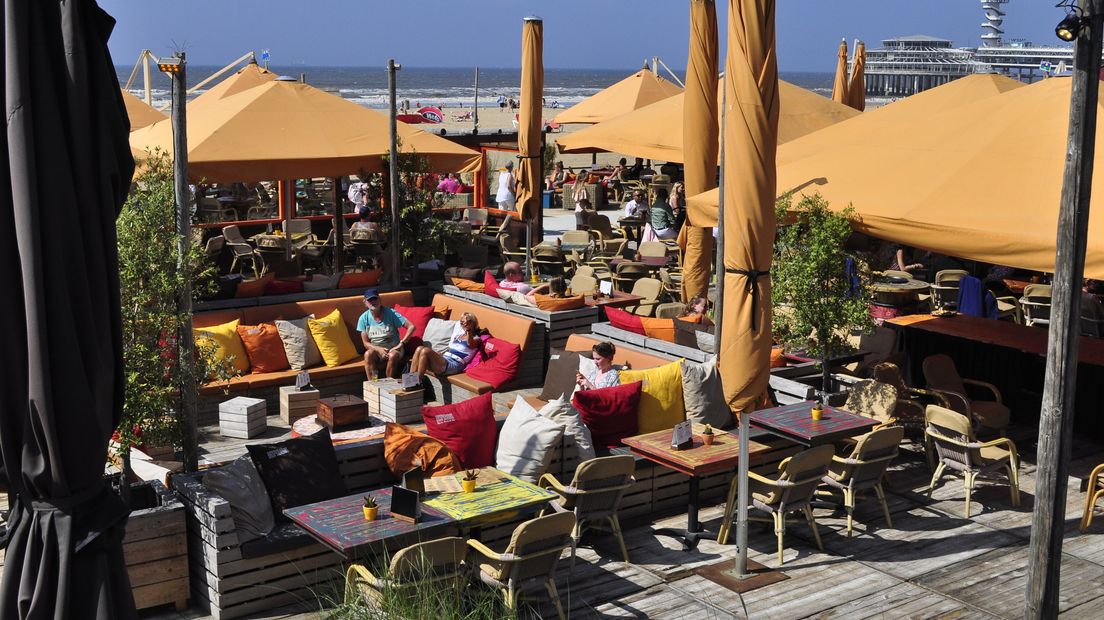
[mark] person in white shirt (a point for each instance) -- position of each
(505, 195)
(638, 206)
(357, 193)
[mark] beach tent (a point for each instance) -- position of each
(636, 91)
(140, 113)
(884, 126)
(655, 132)
(249, 76)
(288, 130)
(62, 345)
(981, 181)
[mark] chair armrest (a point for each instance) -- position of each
(756, 477)
(989, 386)
(1000, 441)
(952, 397)
(358, 571)
(934, 394)
(548, 481)
(782, 464)
(488, 553)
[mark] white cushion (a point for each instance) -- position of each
(240, 485)
(299, 345)
(703, 395)
(706, 341)
(515, 297)
(438, 333)
(561, 412)
(527, 442)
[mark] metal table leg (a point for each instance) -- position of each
(694, 531)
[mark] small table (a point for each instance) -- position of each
(632, 224)
(794, 422)
(694, 462)
(498, 497)
(339, 523)
(616, 300)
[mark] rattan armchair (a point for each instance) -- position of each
(957, 448)
(1092, 495)
(942, 376)
(864, 468)
(649, 289)
(528, 564)
(594, 495)
(437, 564)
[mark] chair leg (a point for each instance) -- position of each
(511, 597)
(1014, 483)
(779, 531)
(885, 507)
(616, 525)
(551, 587)
(935, 478)
(1090, 503)
(730, 508)
(813, 526)
(969, 491)
(849, 504)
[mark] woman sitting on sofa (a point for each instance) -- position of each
(604, 375)
(462, 347)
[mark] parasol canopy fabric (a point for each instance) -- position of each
(856, 89)
(249, 76)
(634, 92)
(288, 130)
(701, 130)
(656, 131)
(839, 84)
(140, 113)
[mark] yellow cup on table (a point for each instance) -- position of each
(816, 412)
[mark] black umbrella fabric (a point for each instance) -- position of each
(61, 385)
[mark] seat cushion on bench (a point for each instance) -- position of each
(623, 355)
(281, 539)
(469, 383)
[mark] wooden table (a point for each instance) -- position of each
(795, 423)
(339, 523)
(493, 501)
(632, 224)
(700, 460)
(617, 300)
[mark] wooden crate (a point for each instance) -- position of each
(243, 417)
(156, 548)
(295, 404)
(401, 406)
(341, 411)
(372, 393)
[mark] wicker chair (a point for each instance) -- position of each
(1035, 304)
(945, 290)
(1092, 495)
(437, 564)
(957, 448)
(670, 310)
(864, 468)
(241, 250)
(627, 273)
(583, 284)
(594, 495)
(528, 564)
(650, 290)
(942, 376)
(792, 491)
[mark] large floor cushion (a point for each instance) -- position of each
(467, 428)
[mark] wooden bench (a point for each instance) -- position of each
(557, 326)
(344, 379)
(668, 350)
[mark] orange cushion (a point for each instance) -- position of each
(441, 312)
(254, 288)
(360, 279)
(660, 329)
(468, 285)
(696, 318)
(402, 446)
(264, 347)
(554, 304)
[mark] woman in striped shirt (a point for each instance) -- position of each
(462, 347)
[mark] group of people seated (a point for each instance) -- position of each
(665, 215)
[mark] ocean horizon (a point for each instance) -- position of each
(439, 86)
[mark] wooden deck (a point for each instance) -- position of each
(931, 563)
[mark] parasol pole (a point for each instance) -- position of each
(396, 253)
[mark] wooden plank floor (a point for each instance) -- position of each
(933, 562)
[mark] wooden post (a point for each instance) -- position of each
(339, 227)
(185, 342)
(396, 253)
(1059, 391)
(475, 108)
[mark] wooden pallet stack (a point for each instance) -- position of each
(295, 403)
(388, 400)
(243, 417)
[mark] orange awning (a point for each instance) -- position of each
(249, 76)
(140, 113)
(636, 91)
(288, 130)
(655, 132)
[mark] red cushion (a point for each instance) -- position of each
(418, 315)
(283, 287)
(490, 285)
(609, 413)
(500, 365)
(467, 428)
(625, 320)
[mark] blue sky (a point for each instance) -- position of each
(578, 33)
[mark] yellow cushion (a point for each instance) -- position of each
(661, 405)
(228, 345)
(332, 338)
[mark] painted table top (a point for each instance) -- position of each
(698, 460)
(795, 422)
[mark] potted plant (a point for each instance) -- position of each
(818, 286)
(707, 435)
(817, 410)
(371, 508)
(468, 481)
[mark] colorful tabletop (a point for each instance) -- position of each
(497, 497)
(339, 523)
(698, 460)
(794, 422)
(308, 425)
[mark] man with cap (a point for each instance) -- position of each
(505, 195)
(379, 331)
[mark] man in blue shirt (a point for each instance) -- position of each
(379, 331)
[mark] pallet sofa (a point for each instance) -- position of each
(344, 379)
(557, 326)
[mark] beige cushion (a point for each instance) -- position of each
(438, 333)
(515, 297)
(527, 442)
(561, 412)
(321, 283)
(299, 345)
(703, 395)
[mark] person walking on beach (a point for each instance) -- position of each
(505, 195)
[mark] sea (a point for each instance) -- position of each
(441, 87)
